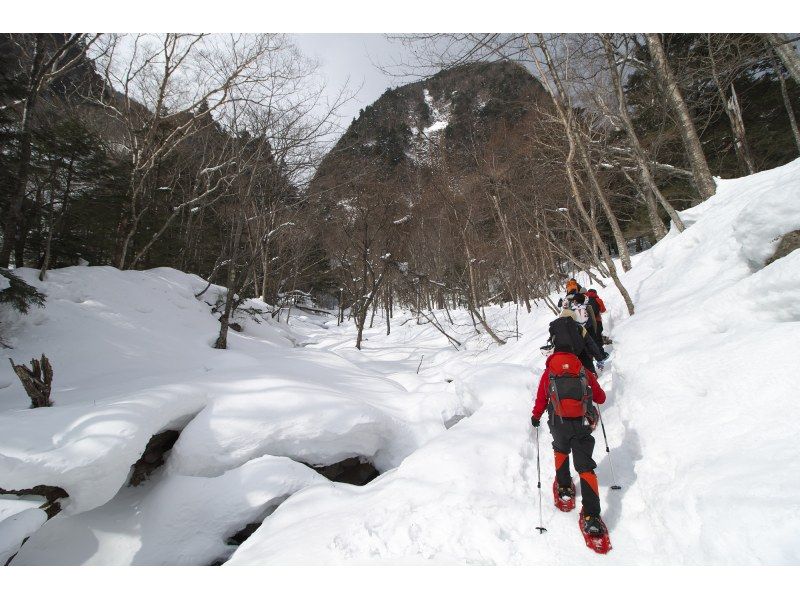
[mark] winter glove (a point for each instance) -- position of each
(592, 416)
(534, 421)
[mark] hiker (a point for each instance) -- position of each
(566, 332)
(572, 286)
(584, 312)
(567, 391)
(599, 309)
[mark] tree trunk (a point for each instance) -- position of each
(639, 152)
(788, 106)
(361, 319)
(576, 143)
(388, 310)
(786, 52)
(659, 230)
(224, 321)
(51, 219)
(612, 270)
(17, 197)
(703, 180)
(734, 112)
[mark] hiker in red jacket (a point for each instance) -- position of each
(567, 391)
(599, 310)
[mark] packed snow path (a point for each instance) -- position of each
(706, 459)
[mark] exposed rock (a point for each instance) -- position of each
(356, 470)
(51, 494)
(153, 456)
(789, 242)
(454, 420)
(242, 535)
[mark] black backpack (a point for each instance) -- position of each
(565, 333)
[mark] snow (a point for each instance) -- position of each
(699, 418)
(19, 518)
(699, 447)
(438, 116)
(132, 356)
(177, 520)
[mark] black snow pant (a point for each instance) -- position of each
(587, 361)
(571, 434)
(599, 338)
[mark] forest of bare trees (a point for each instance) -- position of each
(209, 153)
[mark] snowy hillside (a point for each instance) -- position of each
(699, 419)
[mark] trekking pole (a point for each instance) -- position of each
(541, 527)
(608, 451)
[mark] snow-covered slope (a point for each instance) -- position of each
(705, 378)
(132, 357)
(699, 418)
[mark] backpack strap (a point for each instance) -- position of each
(587, 397)
(554, 395)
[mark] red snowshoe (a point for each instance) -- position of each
(595, 533)
(565, 501)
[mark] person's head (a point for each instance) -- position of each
(572, 285)
(578, 299)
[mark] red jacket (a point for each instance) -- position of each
(598, 395)
(600, 304)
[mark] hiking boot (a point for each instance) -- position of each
(593, 525)
(566, 492)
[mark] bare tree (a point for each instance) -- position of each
(703, 180)
(787, 104)
(172, 88)
(615, 62)
(785, 50)
(724, 79)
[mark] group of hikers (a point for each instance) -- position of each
(568, 390)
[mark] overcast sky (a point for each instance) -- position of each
(353, 56)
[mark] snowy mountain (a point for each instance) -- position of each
(411, 126)
(701, 441)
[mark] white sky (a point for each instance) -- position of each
(351, 59)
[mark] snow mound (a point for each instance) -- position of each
(309, 423)
(428, 508)
(130, 352)
(19, 518)
(702, 370)
(180, 520)
(88, 450)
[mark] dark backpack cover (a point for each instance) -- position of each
(565, 334)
